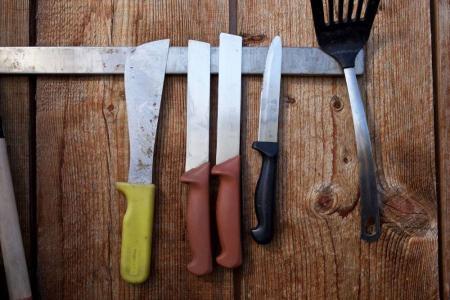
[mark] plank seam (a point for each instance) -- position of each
(32, 81)
(232, 13)
(435, 34)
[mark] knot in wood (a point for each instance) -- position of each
(336, 103)
(252, 39)
(110, 107)
(289, 99)
(409, 213)
(324, 200)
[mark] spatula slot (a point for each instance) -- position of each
(363, 9)
(328, 11)
(340, 11)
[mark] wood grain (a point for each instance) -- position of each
(442, 85)
(15, 112)
(82, 149)
(317, 253)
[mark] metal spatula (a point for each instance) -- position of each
(342, 32)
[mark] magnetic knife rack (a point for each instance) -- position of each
(111, 60)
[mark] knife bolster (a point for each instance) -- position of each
(268, 149)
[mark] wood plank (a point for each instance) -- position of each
(442, 84)
(82, 149)
(15, 111)
(317, 253)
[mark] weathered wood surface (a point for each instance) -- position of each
(317, 253)
(442, 85)
(15, 112)
(82, 149)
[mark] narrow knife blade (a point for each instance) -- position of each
(229, 102)
(198, 83)
(144, 79)
(270, 94)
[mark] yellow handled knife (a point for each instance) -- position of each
(145, 69)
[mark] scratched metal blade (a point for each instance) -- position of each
(198, 83)
(270, 94)
(145, 69)
(229, 102)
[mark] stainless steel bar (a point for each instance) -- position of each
(370, 216)
(111, 60)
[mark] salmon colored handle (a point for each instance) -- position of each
(228, 212)
(198, 220)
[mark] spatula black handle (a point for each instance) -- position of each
(265, 192)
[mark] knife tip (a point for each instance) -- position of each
(276, 40)
(160, 43)
(194, 43)
(225, 35)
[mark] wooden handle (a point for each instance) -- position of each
(137, 231)
(10, 236)
(228, 213)
(198, 221)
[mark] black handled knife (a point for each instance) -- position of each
(267, 144)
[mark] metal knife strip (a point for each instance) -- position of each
(111, 60)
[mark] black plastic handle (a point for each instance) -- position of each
(265, 192)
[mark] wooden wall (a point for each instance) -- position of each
(16, 110)
(69, 144)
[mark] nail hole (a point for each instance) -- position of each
(336, 103)
(289, 99)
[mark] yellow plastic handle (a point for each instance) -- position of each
(137, 231)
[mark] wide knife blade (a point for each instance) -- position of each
(144, 79)
(197, 158)
(229, 102)
(267, 144)
(270, 94)
(198, 83)
(227, 168)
